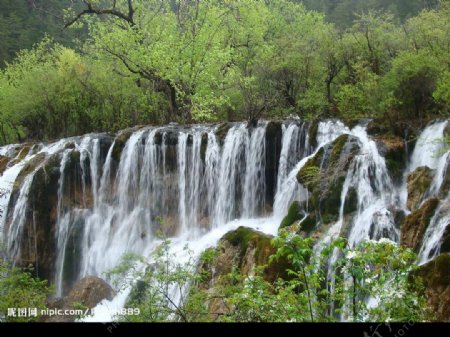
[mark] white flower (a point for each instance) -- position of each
(351, 255)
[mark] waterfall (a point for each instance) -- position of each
(195, 183)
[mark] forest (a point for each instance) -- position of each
(107, 65)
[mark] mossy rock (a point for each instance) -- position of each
(28, 168)
(243, 236)
(120, 143)
(418, 183)
(416, 224)
(436, 279)
(254, 249)
(295, 213)
(324, 176)
(309, 174)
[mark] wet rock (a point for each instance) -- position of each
(393, 149)
(120, 142)
(418, 183)
(273, 149)
(436, 278)
(87, 293)
(90, 291)
(416, 224)
(4, 161)
(295, 214)
(324, 176)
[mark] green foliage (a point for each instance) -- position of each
(210, 61)
(373, 272)
(20, 289)
(157, 283)
(326, 282)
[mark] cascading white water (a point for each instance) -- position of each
(196, 186)
(289, 189)
(254, 180)
(429, 146)
(376, 194)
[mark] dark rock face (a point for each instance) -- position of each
(87, 293)
(273, 149)
(436, 277)
(38, 246)
(393, 149)
(416, 224)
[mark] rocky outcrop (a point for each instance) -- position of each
(241, 250)
(86, 294)
(273, 138)
(436, 278)
(418, 183)
(416, 224)
(38, 246)
(324, 176)
(393, 149)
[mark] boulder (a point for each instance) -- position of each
(87, 293)
(436, 279)
(418, 183)
(416, 224)
(90, 291)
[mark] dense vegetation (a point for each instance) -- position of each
(19, 290)
(373, 272)
(157, 61)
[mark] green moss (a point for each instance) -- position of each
(243, 237)
(338, 146)
(27, 169)
(309, 174)
(294, 214)
(331, 202)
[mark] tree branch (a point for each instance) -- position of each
(104, 11)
